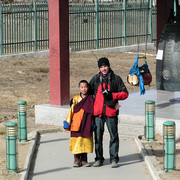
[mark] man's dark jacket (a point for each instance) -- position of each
(114, 86)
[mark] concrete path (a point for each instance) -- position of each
(54, 161)
(167, 104)
(132, 111)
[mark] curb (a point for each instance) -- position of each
(120, 49)
(146, 158)
(34, 138)
(25, 55)
(133, 47)
(35, 135)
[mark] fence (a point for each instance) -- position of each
(111, 24)
(24, 26)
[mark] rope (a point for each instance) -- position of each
(139, 27)
(94, 55)
(146, 27)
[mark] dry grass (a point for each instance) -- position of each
(40, 70)
(2, 131)
(28, 79)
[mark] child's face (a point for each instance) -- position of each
(83, 88)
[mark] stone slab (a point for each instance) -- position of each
(167, 108)
(51, 115)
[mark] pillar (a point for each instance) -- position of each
(59, 51)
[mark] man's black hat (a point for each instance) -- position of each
(103, 62)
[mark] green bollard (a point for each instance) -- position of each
(150, 114)
(169, 145)
(11, 146)
(22, 129)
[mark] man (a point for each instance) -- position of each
(107, 88)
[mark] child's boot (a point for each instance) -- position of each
(77, 160)
(84, 160)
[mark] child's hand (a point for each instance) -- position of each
(66, 125)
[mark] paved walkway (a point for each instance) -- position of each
(167, 108)
(167, 103)
(54, 162)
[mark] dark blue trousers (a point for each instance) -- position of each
(112, 125)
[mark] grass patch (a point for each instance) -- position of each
(17, 63)
(2, 131)
(41, 70)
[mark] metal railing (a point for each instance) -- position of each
(24, 27)
(111, 24)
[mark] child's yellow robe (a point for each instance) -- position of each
(78, 144)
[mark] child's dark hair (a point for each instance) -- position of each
(84, 81)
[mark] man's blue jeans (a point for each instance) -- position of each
(112, 125)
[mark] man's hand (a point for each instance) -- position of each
(117, 106)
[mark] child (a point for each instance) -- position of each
(79, 122)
